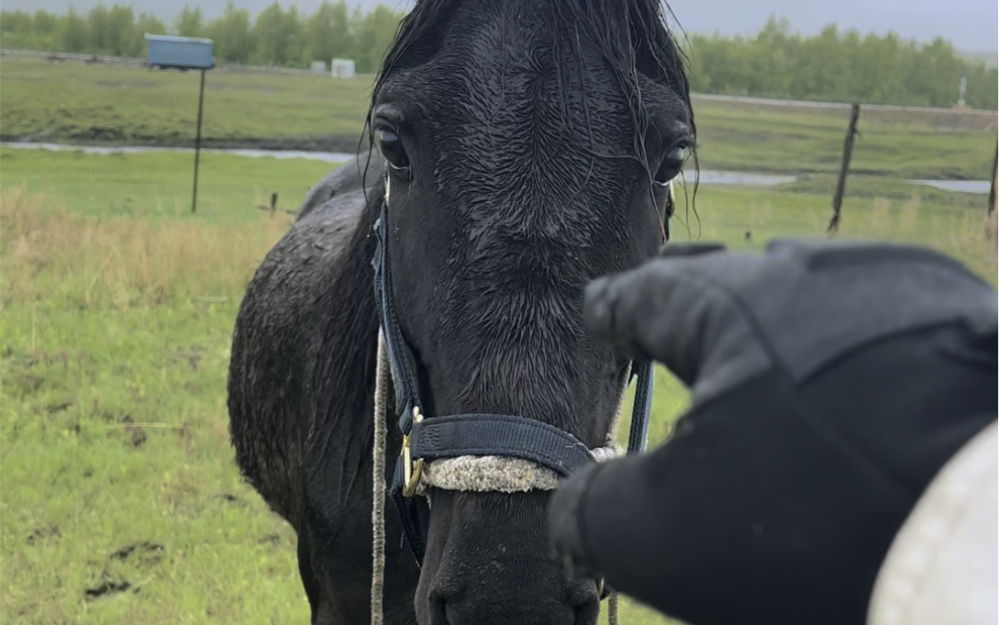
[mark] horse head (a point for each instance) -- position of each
(529, 145)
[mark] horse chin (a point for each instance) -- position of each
(488, 561)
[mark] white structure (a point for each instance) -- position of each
(942, 566)
(319, 67)
(342, 68)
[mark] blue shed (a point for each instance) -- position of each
(179, 52)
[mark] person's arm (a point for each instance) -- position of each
(830, 382)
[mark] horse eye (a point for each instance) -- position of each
(671, 165)
(391, 148)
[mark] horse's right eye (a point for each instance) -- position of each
(391, 148)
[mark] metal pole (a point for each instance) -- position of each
(841, 185)
(197, 143)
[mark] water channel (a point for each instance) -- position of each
(707, 177)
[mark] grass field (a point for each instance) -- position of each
(78, 102)
(120, 499)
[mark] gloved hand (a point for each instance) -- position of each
(830, 381)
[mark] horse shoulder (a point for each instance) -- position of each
(286, 305)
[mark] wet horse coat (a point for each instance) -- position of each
(529, 143)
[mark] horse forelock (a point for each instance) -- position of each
(633, 37)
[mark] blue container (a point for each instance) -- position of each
(180, 52)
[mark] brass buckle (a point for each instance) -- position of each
(411, 470)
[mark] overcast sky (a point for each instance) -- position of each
(970, 24)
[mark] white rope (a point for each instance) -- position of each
(496, 474)
(378, 484)
(612, 608)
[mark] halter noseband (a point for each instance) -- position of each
(538, 454)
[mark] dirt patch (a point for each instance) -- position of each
(136, 435)
(193, 357)
(107, 586)
(40, 534)
(99, 133)
(147, 551)
(26, 382)
(58, 407)
(230, 498)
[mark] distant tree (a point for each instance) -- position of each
(375, 34)
(328, 32)
(72, 34)
(188, 22)
(120, 36)
(276, 35)
(15, 23)
(43, 26)
(150, 24)
(97, 30)
(145, 25)
(835, 66)
(232, 39)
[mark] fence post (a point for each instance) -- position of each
(844, 169)
(992, 191)
(990, 215)
(197, 143)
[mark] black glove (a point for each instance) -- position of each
(830, 382)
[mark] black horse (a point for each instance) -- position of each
(528, 145)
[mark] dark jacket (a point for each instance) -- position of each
(830, 383)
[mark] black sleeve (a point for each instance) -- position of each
(776, 502)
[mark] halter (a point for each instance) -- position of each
(470, 452)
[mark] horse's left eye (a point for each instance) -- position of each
(672, 164)
(391, 148)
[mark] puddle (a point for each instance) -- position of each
(707, 177)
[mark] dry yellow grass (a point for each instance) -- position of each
(125, 261)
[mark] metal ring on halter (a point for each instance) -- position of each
(413, 471)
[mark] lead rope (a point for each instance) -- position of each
(378, 484)
(612, 608)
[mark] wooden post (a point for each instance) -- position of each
(844, 169)
(197, 143)
(990, 216)
(992, 191)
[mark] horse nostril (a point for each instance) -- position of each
(586, 606)
(438, 611)
(587, 613)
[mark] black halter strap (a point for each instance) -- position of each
(472, 434)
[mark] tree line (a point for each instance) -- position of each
(838, 67)
(276, 36)
(777, 63)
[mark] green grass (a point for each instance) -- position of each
(114, 337)
(76, 101)
(159, 184)
(740, 138)
(79, 102)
